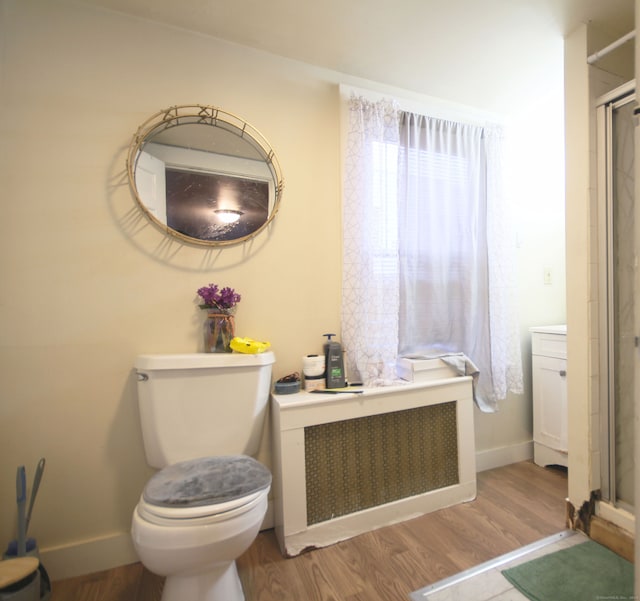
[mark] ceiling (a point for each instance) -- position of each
(372, 39)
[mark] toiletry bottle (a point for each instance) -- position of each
(334, 363)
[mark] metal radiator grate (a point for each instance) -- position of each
(359, 463)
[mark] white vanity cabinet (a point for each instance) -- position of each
(549, 374)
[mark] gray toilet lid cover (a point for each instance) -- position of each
(206, 481)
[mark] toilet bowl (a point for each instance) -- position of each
(194, 519)
(202, 418)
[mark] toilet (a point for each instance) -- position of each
(202, 417)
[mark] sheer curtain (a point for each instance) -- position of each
(506, 357)
(428, 250)
(370, 302)
(456, 279)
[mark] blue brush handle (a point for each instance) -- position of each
(21, 498)
(34, 491)
(21, 485)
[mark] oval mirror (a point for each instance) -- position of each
(204, 175)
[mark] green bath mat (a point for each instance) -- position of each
(585, 572)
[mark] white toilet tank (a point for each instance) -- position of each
(202, 404)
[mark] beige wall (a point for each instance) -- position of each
(87, 283)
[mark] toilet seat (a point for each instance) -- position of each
(204, 490)
(198, 516)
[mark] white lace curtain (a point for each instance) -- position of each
(428, 250)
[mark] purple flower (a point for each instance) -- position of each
(218, 299)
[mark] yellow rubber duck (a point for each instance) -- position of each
(249, 346)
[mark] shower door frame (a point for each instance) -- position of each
(605, 106)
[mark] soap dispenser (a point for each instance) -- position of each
(334, 363)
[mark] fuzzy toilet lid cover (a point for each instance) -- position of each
(206, 481)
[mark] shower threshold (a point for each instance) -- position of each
(425, 593)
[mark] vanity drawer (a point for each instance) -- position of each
(549, 345)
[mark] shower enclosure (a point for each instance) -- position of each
(616, 261)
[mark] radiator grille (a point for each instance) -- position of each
(359, 463)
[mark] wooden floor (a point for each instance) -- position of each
(516, 505)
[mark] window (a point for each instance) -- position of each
(421, 275)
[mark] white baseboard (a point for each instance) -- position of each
(95, 555)
(88, 556)
(104, 553)
(492, 458)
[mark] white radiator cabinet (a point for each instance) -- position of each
(291, 414)
(550, 414)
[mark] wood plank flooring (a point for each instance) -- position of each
(516, 505)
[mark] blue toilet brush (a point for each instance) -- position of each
(23, 545)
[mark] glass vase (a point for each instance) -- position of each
(219, 329)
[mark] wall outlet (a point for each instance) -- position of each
(547, 276)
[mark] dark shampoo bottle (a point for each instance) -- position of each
(334, 363)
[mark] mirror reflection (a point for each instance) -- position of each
(204, 175)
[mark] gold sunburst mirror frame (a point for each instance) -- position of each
(204, 175)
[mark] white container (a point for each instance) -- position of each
(28, 589)
(424, 370)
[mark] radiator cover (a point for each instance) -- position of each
(364, 462)
(346, 464)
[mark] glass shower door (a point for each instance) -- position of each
(617, 258)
